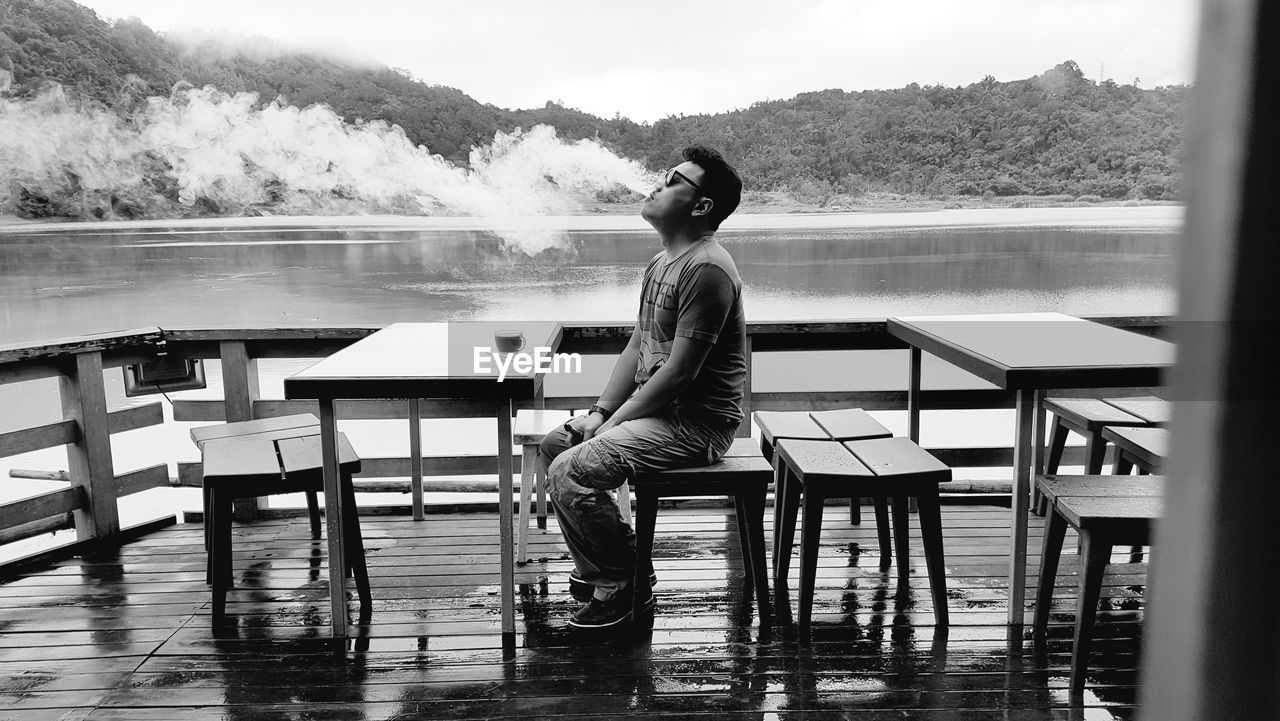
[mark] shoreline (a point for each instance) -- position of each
(753, 204)
(758, 202)
(626, 217)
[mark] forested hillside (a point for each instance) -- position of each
(1058, 133)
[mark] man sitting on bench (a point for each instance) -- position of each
(674, 398)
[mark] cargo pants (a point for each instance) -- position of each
(580, 476)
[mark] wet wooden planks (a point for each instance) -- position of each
(126, 635)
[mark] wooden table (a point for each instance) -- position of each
(1029, 353)
(415, 361)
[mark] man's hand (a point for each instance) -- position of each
(605, 427)
(588, 426)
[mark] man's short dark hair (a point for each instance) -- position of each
(720, 182)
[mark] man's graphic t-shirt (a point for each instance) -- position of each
(697, 295)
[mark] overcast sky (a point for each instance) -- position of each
(648, 60)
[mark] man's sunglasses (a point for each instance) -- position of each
(669, 177)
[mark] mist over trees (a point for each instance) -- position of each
(1058, 133)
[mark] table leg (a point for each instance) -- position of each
(1037, 446)
(1037, 450)
(1040, 425)
(913, 397)
(505, 485)
(1022, 460)
(539, 404)
(333, 518)
(415, 457)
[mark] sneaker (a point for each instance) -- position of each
(583, 591)
(606, 614)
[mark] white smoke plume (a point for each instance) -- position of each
(203, 152)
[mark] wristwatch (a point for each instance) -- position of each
(597, 408)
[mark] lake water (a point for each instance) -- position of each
(60, 281)
(57, 282)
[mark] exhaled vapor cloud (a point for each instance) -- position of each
(203, 152)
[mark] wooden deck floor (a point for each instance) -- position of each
(126, 635)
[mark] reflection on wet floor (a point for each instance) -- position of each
(126, 634)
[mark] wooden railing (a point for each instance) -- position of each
(89, 502)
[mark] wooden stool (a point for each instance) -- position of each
(529, 429)
(782, 424)
(1086, 416)
(743, 448)
(1141, 447)
(785, 424)
(839, 425)
(253, 466)
(298, 425)
(775, 425)
(849, 424)
(802, 425)
(744, 478)
(1155, 411)
(892, 467)
(855, 424)
(1106, 511)
(740, 448)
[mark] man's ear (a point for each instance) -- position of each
(703, 206)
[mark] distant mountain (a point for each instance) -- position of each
(1054, 134)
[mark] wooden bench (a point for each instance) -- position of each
(1145, 448)
(251, 466)
(1106, 511)
(894, 468)
(745, 478)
